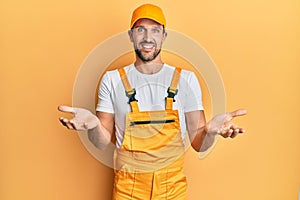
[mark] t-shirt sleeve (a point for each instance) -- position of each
(105, 103)
(193, 94)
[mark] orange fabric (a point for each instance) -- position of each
(148, 11)
(173, 88)
(125, 81)
(129, 90)
(149, 164)
(175, 79)
(169, 103)
(134, 106)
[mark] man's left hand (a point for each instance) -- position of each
(222, 124)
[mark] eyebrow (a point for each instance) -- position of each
(155, 26)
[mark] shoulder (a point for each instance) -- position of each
(185, 74)
(113, 75)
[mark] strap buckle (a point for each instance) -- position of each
(172, 93)
(131, 95)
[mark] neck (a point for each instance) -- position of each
(151, 67)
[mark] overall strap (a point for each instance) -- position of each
(130, 92)
(172, 90)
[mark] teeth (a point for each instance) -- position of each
(148, 46)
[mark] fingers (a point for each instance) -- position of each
(82, 119)
(67, 109)
(239, 112)
(235, 132)
(68, 123)
(231, 130)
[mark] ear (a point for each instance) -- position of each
(164, 36)
(130, 35)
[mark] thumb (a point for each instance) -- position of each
(239, 112)
(67, 109)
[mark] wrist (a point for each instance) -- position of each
(210, 132)
(93, 124)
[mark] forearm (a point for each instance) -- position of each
(208, 141)
(202, 140)
(99, 136)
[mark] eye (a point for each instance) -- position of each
(156, 30)
(140, 29)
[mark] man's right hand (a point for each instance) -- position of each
(82, 119)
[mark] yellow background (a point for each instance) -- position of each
(255, 45)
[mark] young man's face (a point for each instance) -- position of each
(147, 37)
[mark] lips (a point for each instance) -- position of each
(148, 46)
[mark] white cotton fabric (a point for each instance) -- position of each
(151, 91)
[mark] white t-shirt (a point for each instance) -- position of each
(151, 91)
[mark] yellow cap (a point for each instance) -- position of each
(148, 11)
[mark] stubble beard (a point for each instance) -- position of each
(143, 58)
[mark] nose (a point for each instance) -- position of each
(147, 35)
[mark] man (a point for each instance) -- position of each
(150, 105)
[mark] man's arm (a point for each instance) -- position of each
(99, 128)
(196, 127)
(100, 136)
(202, 135)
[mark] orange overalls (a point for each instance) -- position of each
(149, 164)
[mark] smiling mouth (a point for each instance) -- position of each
(147, 46)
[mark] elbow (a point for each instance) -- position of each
(203, 149)
(101, 147)
(99, 143)
(196, 146)
(197, 142)
(200, 148)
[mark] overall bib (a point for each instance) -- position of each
(149, 164)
